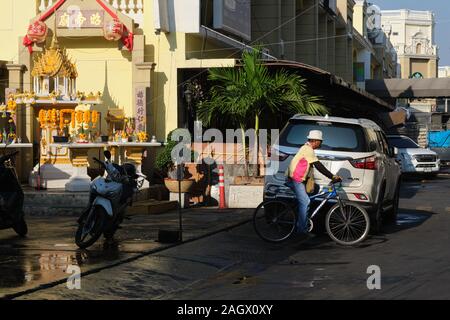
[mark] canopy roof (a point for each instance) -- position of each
(409, 88)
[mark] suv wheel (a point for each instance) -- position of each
(391, 214)
(376, 215)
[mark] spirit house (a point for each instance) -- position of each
(54, 74)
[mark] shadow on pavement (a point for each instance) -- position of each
(407, 219)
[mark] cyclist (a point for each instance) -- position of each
(301, 178)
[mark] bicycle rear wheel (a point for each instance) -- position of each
(274, 221)
(348, 226)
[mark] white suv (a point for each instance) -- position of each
(355, 149)
(412, 157)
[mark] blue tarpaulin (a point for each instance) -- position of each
(439, 139)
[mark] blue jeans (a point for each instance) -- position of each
(303, 204)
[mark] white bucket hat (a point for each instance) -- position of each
(315, 135)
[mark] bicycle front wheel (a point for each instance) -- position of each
(347, 225)
(274, 221)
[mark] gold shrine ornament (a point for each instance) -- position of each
(54, 62)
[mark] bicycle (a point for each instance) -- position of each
(346, 223)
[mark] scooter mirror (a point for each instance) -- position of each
(107, 154)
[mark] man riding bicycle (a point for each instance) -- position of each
(300, 175)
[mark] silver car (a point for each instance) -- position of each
(412, 157)
(355, 149)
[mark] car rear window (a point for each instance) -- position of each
(337, 136)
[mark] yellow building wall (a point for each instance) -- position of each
(102, 67)
(358, 19)
(169, 53)
(15, 16)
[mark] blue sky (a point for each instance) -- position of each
(441, 8)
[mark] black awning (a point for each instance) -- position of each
(337, 93)
(409, 88)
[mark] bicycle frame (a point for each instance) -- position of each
(328, 195)
(332, 193)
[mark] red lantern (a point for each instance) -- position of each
(113, 30)
(37, 31)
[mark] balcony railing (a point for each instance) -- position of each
(408, 14)
(132, 8)
(418, 51)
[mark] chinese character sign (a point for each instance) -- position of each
(141, 110)
(80, 19)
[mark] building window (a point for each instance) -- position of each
(395, 33)
(419, 48)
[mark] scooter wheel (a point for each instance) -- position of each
(21, 228)
(86, 238)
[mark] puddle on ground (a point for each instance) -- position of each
(44, 267)
(22, 268)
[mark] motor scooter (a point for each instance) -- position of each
(108, 200)
(11, 197)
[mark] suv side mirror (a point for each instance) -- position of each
(393, 151)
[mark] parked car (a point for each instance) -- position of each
(412, 157)
(355, 149)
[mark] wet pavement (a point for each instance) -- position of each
(43, 257)
(413, 257)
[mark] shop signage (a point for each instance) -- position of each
(141, 109)
(80, 19)
(416, 75)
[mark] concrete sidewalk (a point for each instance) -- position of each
(41, 260)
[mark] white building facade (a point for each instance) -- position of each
(412, 34)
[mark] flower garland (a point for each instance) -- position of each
(53, 116)
(94, 119)
(79, 117)
(72, 120)
(62, 122)
(86, 117)
(42, 118)
(61, 119)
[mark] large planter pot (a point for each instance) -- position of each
(173, 186)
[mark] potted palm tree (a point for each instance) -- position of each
(241, 95)
(166, 165)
